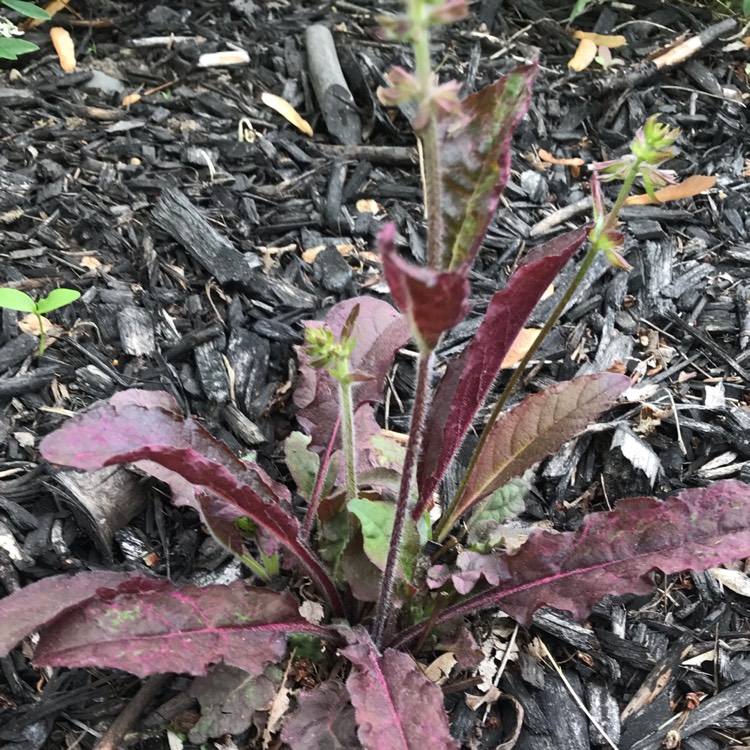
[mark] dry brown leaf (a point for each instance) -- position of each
(610, 41)
(131, 99)
(573, 162)
(30, 324)
(440, 669)
(520, 346)
(287, 111)
(584, 55)
(66, 50)
(734, 580)
(90, 262)
(694, 185)
(369, 206)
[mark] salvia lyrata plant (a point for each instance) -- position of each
(372, 502)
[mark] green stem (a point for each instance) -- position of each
(347, 439)
(432, 182)
(42, 334)
(454, 511)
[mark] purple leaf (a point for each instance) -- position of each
(433, 301)
(324, 720)
(225, 488)
(396, 706)
(140, 397)
(469, 377)
(475, 161)
(471, 566)
(534, 429)
(614, 553)
(171, 629)
(379, 332)
(229, 698)
(38, 604)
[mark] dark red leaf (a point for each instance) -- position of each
(38, 604)
(396, 706)
(324, 720)
(534, 429)
(433, 301)
(614, 553)
(469, 377)
(475, 161)
(379, 332)
(171, 629)
(203, 471)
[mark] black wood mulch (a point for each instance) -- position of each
(201, 228)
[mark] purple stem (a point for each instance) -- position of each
(312, 508)
(422, 399)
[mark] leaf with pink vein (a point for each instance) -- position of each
(469, 377)
(159, 627)
(396, 706)
(534, 429)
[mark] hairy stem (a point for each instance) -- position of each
(428, 135)
(454, 511)
(422, 399)
(347, 439)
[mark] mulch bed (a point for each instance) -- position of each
(201, 228)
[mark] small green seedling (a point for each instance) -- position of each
(10, 46)
(13, 299)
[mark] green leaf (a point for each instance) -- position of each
(376, 519)
(302, 463)
(12, 299)
(504, 503)
(10, 49)
(27, 9)
(57, 298)
(578, 8)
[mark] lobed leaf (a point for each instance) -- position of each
(614, 553)
(201, 470)
(475, 161)
(396, 706)
(433, 301)
(379, 332)
(323, 720)
(40, 603)
(534, 429)
(147, 626)
(469, 377)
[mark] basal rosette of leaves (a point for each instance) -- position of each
(368, 547)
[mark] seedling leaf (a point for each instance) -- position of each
(396, 706)
(27, 9)
(57, 298)
(535, 428)
(13, 299)
(475, 161)
(469, 377)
